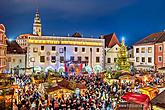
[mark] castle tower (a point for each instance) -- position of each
(37, 25)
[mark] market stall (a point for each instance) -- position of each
(150, 91)
(141, 99)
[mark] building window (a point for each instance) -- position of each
(143, 59)
(61, 59)
(13, 60)
(42, 59)
(149, 59)
(53, 59)
(61, 50)
(42, 47)
(116, 48)
(115, 60)
(160, 48)
(149, 49)
(160, 58)
(97, 59)
(137, 59)
(9, 59)
(35, 49)
(72, 58)
(97, 50)
(83, 49)
(86, 58)
(20, 61)
(137, 50)
(108, 60)
(79, 58)
(143, 50)
(75, 49)
(53, 48)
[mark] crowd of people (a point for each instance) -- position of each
(99, 94)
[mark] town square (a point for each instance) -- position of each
(49, 60)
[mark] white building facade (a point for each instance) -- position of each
(111, 56)
(54, 52)
(143, 57)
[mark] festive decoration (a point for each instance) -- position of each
(88, 69)
(122, 60)
(97, 68)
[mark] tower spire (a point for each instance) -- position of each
(37, 24)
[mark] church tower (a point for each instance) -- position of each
(37, 24)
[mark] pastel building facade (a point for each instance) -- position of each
(72, 53)
(111, 50)
(149, 52)
(16, 58)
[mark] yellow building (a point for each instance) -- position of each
(3, 49)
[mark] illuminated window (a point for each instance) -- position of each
(137, 50)
(42, 59)
(35, 49)
(143, 50)
(149, 49)
(83, 49)
(143, 59)
(9, 59)
(13, 60)
(53, 48)
(61, 50)
(97, 59)
(97, 50)
(75, 49)
(42, 47)
(108, 60)
(149, 59)
(53, 59)
(137, 59)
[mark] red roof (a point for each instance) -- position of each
(2, 28)
(25, 36)
(110, 40)
(158, 37)
(136, 98)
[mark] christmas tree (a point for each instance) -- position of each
(122, 59)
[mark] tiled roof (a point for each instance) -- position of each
(110, 40)
(25, 36)
(14, 48)
(152, 38)
(159, 100)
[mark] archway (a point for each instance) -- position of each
(37, 69)
(61, 69)
(88, 69)
(97, 68)
(49, 68)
